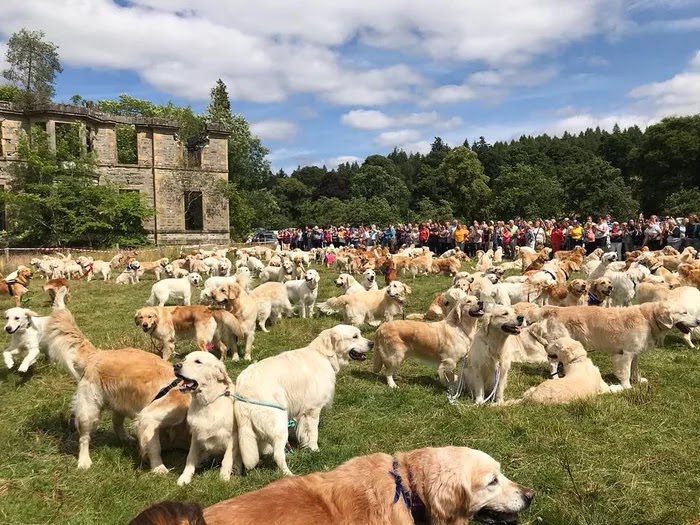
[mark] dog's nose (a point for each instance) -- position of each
(8, 329)
(371, 344)
(528, 496)
(177, 366)
(145, 325)
(521, 318)
(480, 304)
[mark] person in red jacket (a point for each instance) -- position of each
(557, 238)
(423, 235)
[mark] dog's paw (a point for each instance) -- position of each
(225, 476)
(84, 464)
(160, 470)
(643, 380)
(183, 480)
(614, 389)
(23, 368)
(9, 363)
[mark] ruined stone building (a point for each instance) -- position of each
(184, 186)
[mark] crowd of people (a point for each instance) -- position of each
(604, 232)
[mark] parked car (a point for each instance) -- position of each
(264, 237)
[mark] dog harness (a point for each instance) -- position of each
(593, 300)
(410, 497)
(550, 274)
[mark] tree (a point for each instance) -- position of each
(219, 108)
(463, 174)
(373, 181)
(54, 199)
(9, 93)
(33, 65)
(682, 203)
(525, 191)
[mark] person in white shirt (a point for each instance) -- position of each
(602, 233)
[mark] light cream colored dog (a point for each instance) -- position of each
(488, 362)
(300, 383)
(349, 284)
(210, 415)
(370, 307)
(442, 304)
(688, 296)
(442, 344)
(581, 379)
(623, 332)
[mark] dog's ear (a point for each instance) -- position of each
(487, 323)
(136, 318)
(446, 495)
(221, 374)
(31, 313)
(663, 315)
(407, 289)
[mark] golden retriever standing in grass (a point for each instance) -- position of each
(442, 486)
(443, 343)
(210, 415)
(209, 327)
(488, 362)
(624, 332)
(370, 307)
(581, 379)
(299, 383)
(124, 381)
(574, 293)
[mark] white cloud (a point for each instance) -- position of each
(397, 138)
(274, 129)
(451, 94)
(373, 119)
(342, 159)
(675, 96)
(269, 50)
(3, 63)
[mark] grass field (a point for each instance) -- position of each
(627, 459)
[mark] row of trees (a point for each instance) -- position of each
(595, 172)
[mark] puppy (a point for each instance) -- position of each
(370, 307)
(455, 485)
(442, 344)
(304, 292)
(581, 379)
(210, 414)
(301, 382)
(488, 362)
(25, 326)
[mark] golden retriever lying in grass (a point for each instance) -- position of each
(450, 485)
(125, 381)
(443, 343)
(581, 379)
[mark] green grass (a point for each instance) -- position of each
(627, 459)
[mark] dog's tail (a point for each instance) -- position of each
(332, 305)
(66, 344)
(248, 443)
(415, 317)
(152, 299)
(62, 296)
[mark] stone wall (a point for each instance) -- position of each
(157, 144)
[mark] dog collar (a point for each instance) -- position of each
(550, 274)
(409, 495)
(593, 300)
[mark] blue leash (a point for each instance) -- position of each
(291, 423)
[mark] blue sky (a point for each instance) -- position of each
(324, 81)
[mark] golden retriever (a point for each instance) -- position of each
(370, 307)
(581, 379)
(210, 414)
(574, 293)
(301, 382)
(442, 304)
(442, 344)
(688, 296)
(624, 332)
(450, 486)
(124, 381)
(488, 362)
(449, 266)
(599, 292)
(209, 327)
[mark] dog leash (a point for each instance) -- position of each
(453, 394)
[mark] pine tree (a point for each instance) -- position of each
(33, 65)
(219, 108)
